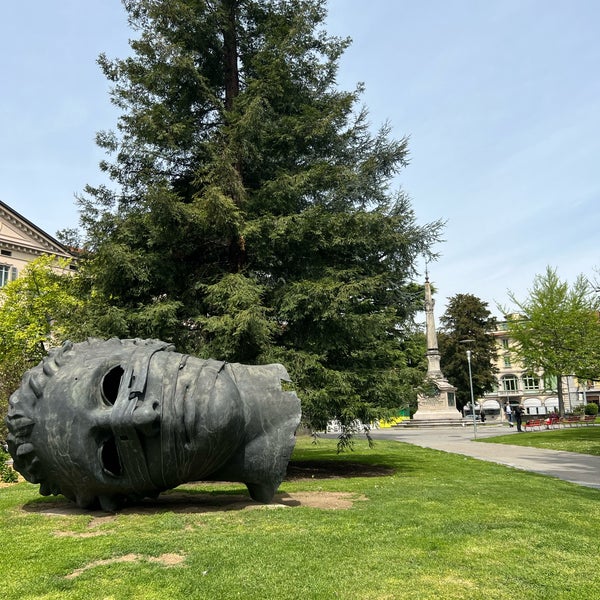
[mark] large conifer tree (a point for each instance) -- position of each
(251, 217)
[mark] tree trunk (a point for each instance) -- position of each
(237, 249)
(230, 52)
(561, 402)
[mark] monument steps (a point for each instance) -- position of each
(436, 423)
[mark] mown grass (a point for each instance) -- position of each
(442, 526)
(585, 440)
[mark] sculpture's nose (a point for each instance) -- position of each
(146, 418)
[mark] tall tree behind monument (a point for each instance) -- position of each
(251, 217)
(466, 325)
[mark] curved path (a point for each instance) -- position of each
(582, 469)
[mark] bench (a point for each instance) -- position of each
(533, 423)
(552, 422)
(571, 420)
(578, 420)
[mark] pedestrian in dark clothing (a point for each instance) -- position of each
(518, 412)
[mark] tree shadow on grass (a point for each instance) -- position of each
(334, 469)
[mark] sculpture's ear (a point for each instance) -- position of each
(266, 376)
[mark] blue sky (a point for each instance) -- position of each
(499, 99)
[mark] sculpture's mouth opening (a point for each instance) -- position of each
(110, 459)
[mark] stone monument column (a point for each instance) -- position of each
(439, 404)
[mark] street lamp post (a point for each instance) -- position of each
(472, 397)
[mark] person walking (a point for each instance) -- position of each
(508, 411)
(518, 417)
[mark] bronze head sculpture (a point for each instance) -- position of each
(111, 422)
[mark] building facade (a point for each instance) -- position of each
(534, 392)
(21, 242)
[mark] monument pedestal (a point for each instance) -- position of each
(438, 407)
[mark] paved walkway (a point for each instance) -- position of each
(581, 469)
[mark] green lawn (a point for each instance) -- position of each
(584, 439)
(442, 527)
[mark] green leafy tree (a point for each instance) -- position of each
(466, 325)
(35, 313)
(557, 329)
(251, 217)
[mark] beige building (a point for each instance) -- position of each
(21, 242)
(536, 393)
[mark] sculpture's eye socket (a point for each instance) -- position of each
(109, 457)
(110, 385)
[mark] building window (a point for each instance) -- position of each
(505, 343)
(531, 382)
(7, 273)
(509, 383)
(4, 273)
(507, 362)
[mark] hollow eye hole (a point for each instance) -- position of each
(110, 385)
(109, 457)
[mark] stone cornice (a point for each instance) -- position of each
(46, 243)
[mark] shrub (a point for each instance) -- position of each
(7, 473)
(591, 408)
